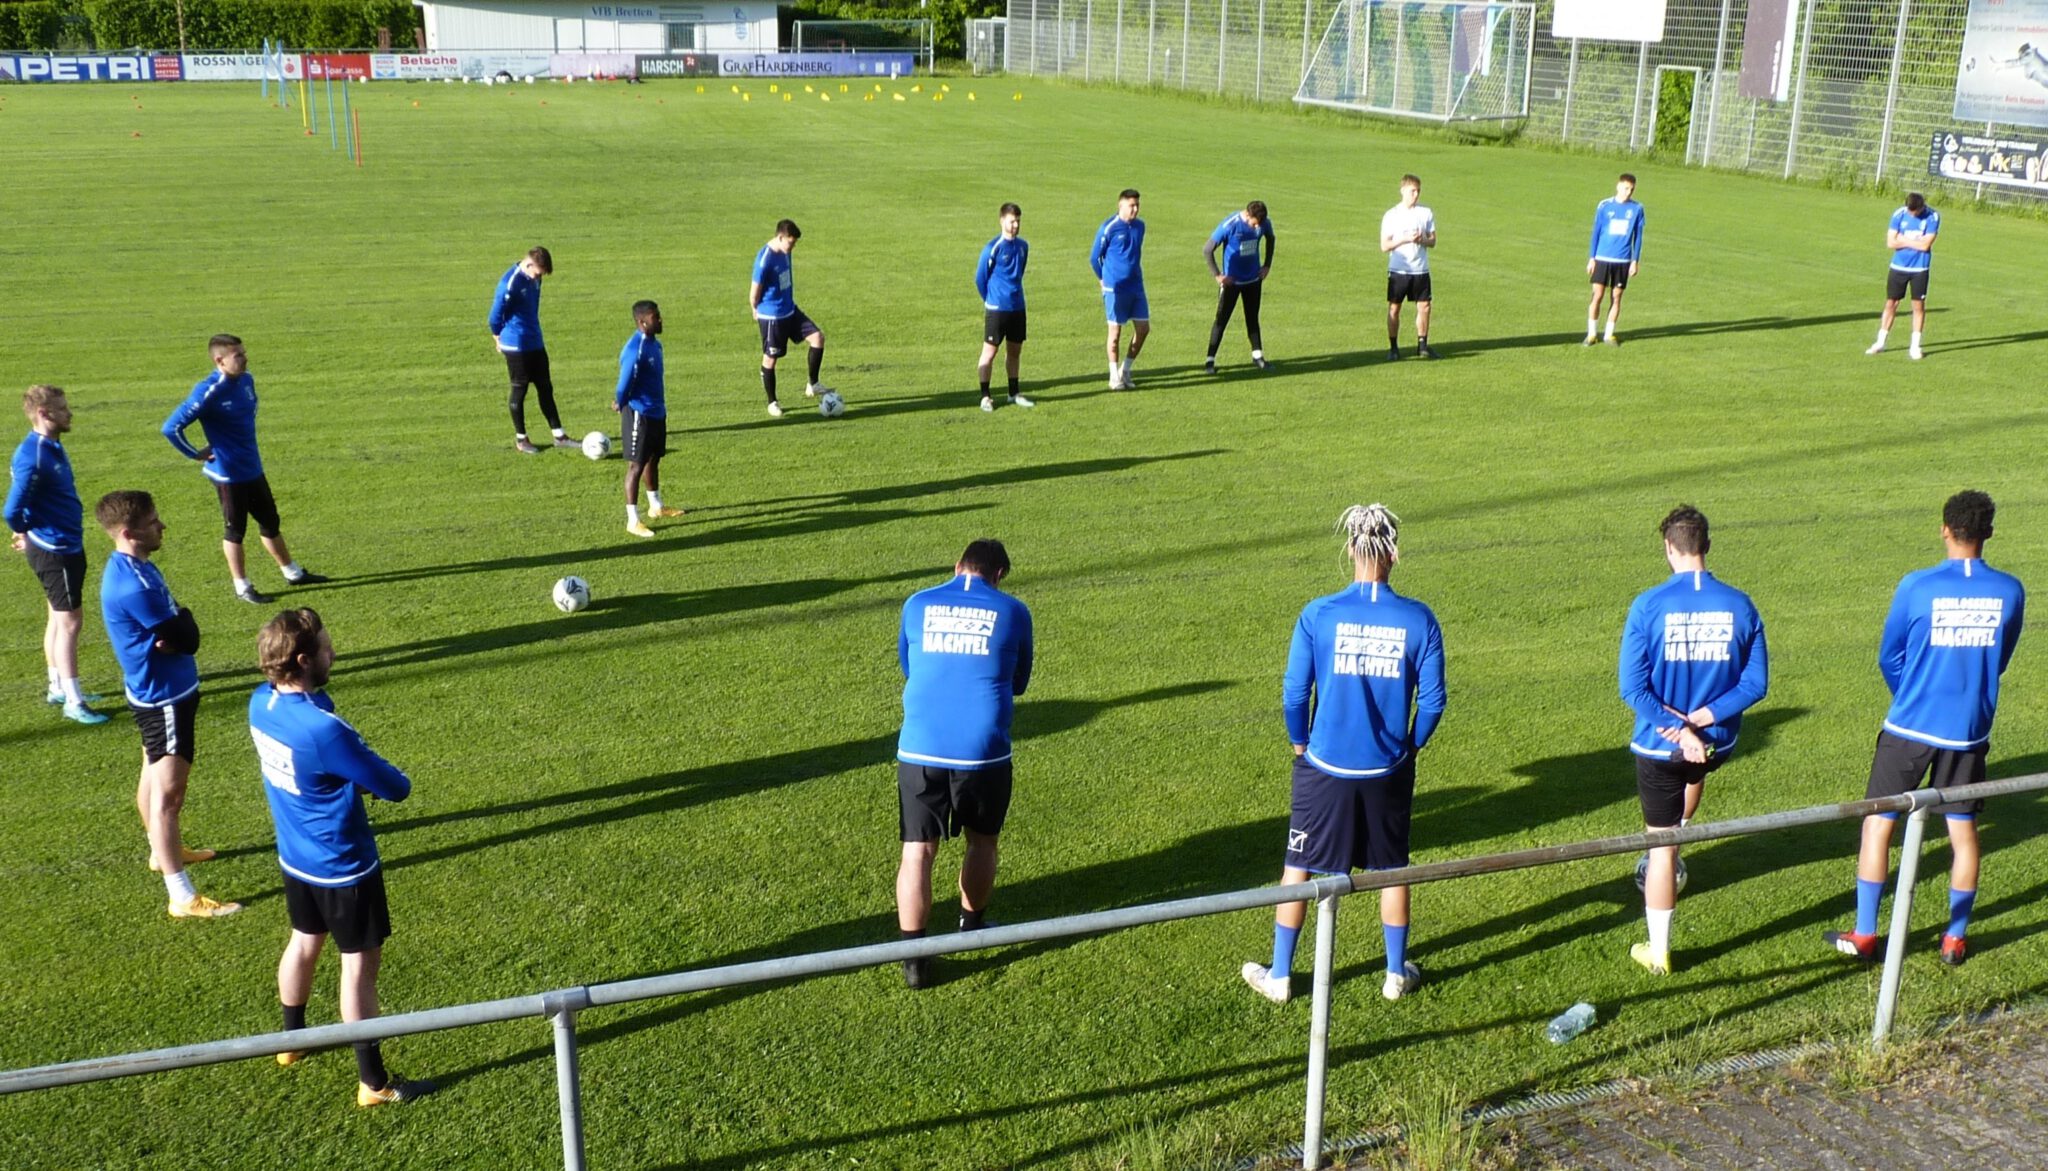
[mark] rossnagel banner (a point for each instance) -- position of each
(2004, 73)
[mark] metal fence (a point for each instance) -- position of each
(561, 1006)
(1872, 80)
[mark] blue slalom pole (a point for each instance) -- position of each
(333, 135)
(263, 72)
(345, 115)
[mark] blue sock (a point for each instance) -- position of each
(1868, 895)
(1397, 945)
(1960, 903)
(1284, 939)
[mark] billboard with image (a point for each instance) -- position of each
(2003, 76)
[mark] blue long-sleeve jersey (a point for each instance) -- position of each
(42, 498)
(1951, 631)
(999, 277)
(315, 765)
(515, 312)
(134, 601)
(1912, 227)
(965, 649)
(1693, 642)
(1241, 245)
(1360, 659)
(225, 408)
(773, 273)
(640, 377)
(1617, 231)
(1119, 252)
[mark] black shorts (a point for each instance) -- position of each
(167, 728)
(1002, 325)
(1407, 286)
(1612, 274)
(528, 367)
(1899, 282)
(1338, 824)
(1661, 785)
(241, 502)
(778, 333)
(646, 437)
(62, 575)
(937, 803)
(356, 915)
(1901, 766)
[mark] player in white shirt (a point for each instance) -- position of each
(1407, 233)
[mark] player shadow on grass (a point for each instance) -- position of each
(1980, 343)
(1004, 479)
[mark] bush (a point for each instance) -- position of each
(245, 24)
(34, 25)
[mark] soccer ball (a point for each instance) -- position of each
(1643, 872)
(597, 445)
(831, 405)
(571, 594)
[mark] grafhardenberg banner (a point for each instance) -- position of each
(2004, 73)
(816, 64)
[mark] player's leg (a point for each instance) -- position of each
(1614, 310)
(1397, 292)
(63, 578)
(1897, 766)
(653, 446)
(977, 878)
(1226, 304)
(774, 344)
(234, 515)
(925, 817)
(1384, 809)
(1422, 306)
(1918, 290)
(1593, 310)
(544, 390)
(1950, 769)
(1012, 362)
(359, 971)
(295, 967)
(1894, 291)
(1661, 790)
(1254, 294)
(814, 356)
(262, 508)
(986, 367)
(982, 801)
(633, 437)
(1116, 337)
(515, 401)
(361, 918)
(1321, 830)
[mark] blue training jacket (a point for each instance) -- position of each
(1241, 244)
(1119, 253)
(1951, 631)
(640, 377)
(999, 277)
(1906, 224)
(515, 312)
(1365, 655)
(1693, 642)
(1617, 231)
(42, 498)
(225, 408)
(134, 601)
(965, 649)
(313, 765)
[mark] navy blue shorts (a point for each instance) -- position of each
(1338, 824)
(777, 333)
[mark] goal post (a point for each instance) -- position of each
(1426, 59)
(907, 35)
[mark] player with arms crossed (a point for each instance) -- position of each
(1242, 275)
(1361, 660)
(1118, 261)
(642, 404)
(1614, 255)
(1951, 632)
(999, 278)
(224, 405)
(48, 523)
(315, 768)
(1693, 659)
(154, 640)
(1407, 233)
(773, 298)
(515, 326)
(965, 648)
(1911, 239)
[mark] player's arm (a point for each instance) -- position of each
(1020, 676)
(23, 484)
(1430, 693)
(2013, 626)
(1272, 246)
(1923, 243)
(1427, 236)
(1747, 692)
(1298, 684)
(1216, 239)
(183, 417)
(1635, 677)
(903, 644)
(501, 306)
(1593, 248)
(1100, 250)
(1891, 646)
(1388, 240)
(984, 268)
(629, 361)
(178, 634)
(1635, 244)
(759, 286)
(343, 754)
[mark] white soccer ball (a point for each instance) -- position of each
(597, 445)
(831, 405)
(1643, 872)
(572, 593)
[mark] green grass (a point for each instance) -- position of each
(696, 770)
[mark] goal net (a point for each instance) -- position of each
(865, 36)
(1437, 61)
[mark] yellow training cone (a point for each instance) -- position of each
(1017, 97)
(824, 97)
(918, 88)
(808, 89)
(735, 89)
(945, 87)
(746, 97)
(868, 98)
(970, 95)
(700, 89)
(773, 88)
(842, 89)
(898, 97)
(788, 97)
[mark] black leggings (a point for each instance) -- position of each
(1226, 303)
(530, 366)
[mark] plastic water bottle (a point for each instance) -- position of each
(1569, 1023)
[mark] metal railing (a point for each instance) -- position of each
(561, 1006)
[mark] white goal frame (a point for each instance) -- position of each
(1352, 26)
(917, 31)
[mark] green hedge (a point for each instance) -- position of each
(244, 24)
(34, 25)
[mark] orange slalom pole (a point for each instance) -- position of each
(356, 132)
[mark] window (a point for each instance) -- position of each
(682, 37)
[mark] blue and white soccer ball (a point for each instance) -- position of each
(572, 593)
(831, 405)
(1643, 872)
(597, 445)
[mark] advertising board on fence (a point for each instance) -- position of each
(92, 67)
(339, 66)
(680, 65)
(2004, 71)
(1767, 41)
(414, 66)
(1977, 158)
(816, 64)
(236, 66)
(1633, 21)
(506, 64)
(591, 64)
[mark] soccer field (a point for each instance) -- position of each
(696, 770)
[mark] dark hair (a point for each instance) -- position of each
(788, 228)
(1916, 202)
(123, 509)
(221, 343)
(986, 558)
(541, 257)
(644, 309)
(1627, 178)
(1256, 209)
(1686, 528)
(1407, 180)
(1010, 209)
(1127, 193)
(1968, 515)
(283, 639)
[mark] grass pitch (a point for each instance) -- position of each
(696, 770)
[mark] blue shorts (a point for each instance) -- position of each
(1122, 305)
(1338, 824)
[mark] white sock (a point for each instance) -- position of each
(1880, 335)
(1916, 339)
(519, 435)
(1684, 821)
(71, 692)
(1112, 370)
(52, 671)
(1660, 930)
(1125, 369)
(560, 434)
(294, 571)
(653, 500)
(632, 514)
(1592, 326)
(180, 887)
(1258, 354)
(1610, 327)
(241, 583)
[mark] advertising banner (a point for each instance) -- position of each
(517, 66)
(1767, 42)
(339, 66)
(414, 66)
(1976, 158)
(580, 65)
(234, 67)
(680, 65)
(1633, 21)
(2004, 73)
(816, 64)
(165, 69)
(94, 67)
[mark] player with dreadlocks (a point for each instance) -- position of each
(1362, 659)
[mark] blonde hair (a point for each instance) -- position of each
(1372, 533)
(40, 397)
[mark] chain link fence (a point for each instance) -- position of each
(1870, 81)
